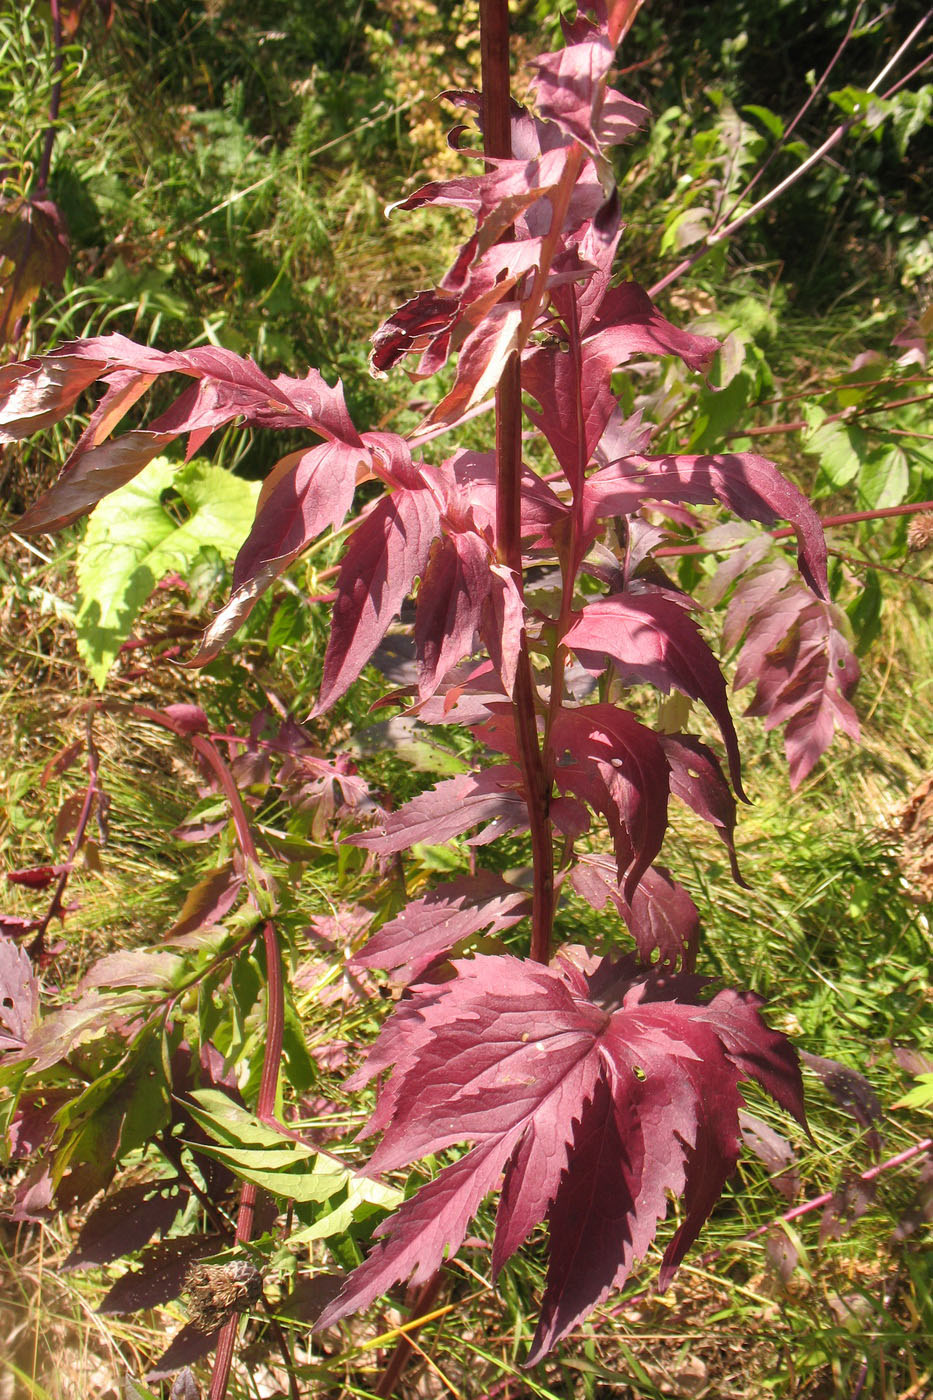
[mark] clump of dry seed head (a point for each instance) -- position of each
(214, 1291)
(920, 532)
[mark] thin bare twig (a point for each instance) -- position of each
(724, 231)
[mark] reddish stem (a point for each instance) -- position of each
(92, 792)
(829, 522)
(497, 142)
(846, 414)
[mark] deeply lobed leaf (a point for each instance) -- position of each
(596, 1090)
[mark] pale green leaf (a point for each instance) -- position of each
(136, 536)
(839, 447)
(884, 479)
(920, 1096)
(362, 1193)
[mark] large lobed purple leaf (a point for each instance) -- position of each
(125, 1221)
(596, 1091)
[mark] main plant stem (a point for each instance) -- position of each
(497, 143)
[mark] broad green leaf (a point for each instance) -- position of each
(314, 1182)
(266, 1158)
(920, 1096)
(884, 479)
(137, 535)
(272, 1160)
(838, 446)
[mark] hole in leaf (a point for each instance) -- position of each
(639, 1073)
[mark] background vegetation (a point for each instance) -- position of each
(223, 168)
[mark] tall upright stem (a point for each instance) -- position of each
(497, 143)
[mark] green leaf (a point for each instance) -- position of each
(137, 535)
(884, 479)
(363, 1195)
(135, 1390)
(920, 1096)
(272, 1160)
(317, 1180)
(839, 447)
(864, 613)
(770, 120)
(227, 1122)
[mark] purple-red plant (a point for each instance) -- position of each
(590, 1089)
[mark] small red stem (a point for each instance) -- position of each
(93, 790)
(275, 1017)
(829, 522)
(846, 414)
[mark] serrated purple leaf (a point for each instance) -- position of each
(428, 928)
(451, 596)
(386, 553)
(697, 779)
(450, 809)
(749, 485)
(594, 1108)
(650, 637)
(618, 766)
